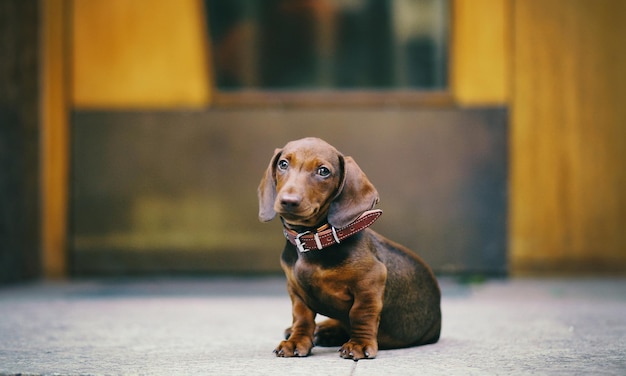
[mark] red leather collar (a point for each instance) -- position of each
(328, 235)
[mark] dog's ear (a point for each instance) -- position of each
(267, 190)
(356, 194)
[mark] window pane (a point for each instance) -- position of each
(329, 44)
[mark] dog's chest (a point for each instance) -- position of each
(324, 290)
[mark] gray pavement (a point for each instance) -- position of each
(229, 326)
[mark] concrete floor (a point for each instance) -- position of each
(229, 326)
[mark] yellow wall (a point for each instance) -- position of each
(568, 137)
(481, 52)
(140, 53)
(559, 66)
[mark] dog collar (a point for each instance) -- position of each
(328, 235)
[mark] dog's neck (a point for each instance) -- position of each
(315, 238)
(300, 228)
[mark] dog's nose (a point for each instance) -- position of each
(290, 202)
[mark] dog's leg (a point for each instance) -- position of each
(330, 333)
(300, 341)
(364, 320)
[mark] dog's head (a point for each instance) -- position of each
(308, 182)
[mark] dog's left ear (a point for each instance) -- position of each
(356, 195)
(267, 190)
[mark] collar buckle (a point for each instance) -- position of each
(300, 244)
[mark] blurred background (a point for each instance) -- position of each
(133, 134)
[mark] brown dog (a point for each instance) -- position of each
(375, 292)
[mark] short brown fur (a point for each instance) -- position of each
(375, 292)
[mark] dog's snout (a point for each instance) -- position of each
(290, 201)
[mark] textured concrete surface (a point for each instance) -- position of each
(230, 327)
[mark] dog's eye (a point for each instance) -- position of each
(323, 171)
(283, 164)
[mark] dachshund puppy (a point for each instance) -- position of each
(376, 293)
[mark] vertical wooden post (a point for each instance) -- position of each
(54, 136)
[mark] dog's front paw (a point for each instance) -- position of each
(290, 348)
(356, 350)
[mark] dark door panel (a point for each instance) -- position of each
(159, 192)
